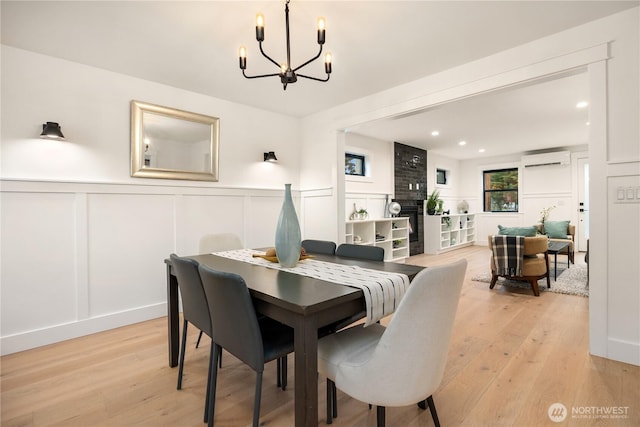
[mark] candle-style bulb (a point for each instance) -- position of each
(321, 30)
(327, 62)
(283, 69)
(242, 57)
(260, 27)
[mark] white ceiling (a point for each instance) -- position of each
(376, 45)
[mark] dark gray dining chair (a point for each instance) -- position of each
(237, 329)
(194, 303)
(372, 253)
(319, 246)
(216, 243)
(195, 309)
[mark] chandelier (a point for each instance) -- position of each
(287, 74)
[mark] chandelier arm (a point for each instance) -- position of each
(309, 61)
(259, 76)
(267, 56)
(315, 78)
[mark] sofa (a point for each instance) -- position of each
(556, 232)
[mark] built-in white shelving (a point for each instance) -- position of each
(448, 232)
(391, 234)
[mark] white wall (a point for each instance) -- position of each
(609, 48)
(539, 187)
(372, 191)
(83, 243)
(449, 193)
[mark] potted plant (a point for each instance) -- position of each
(363, 214)
(432, 202)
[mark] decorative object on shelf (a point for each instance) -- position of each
(51, 130)
(432, 202)
(288, 237)
(396, 244)
(270, 157)
(447, 221)
(544, 214)
(287, 74)
(363, 214)
(393, 209)
(463, 207)
(354, 214)
(440, 204)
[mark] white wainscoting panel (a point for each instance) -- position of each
(38, 261)
(197, 215)
(79, 258)
(262, 215)
(129, 235)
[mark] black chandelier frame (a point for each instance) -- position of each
(288, 75)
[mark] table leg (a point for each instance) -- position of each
(555, 267)
(306, 372)
(173, 317)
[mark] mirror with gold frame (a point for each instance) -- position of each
(173, 144)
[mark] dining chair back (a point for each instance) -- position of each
(403, 363)
(219, 242)
(237, 329)
(372, 253)
(319, 246)
(195, 309)
(216, 243)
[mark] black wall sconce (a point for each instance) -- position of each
(51, 130)
(270, 157)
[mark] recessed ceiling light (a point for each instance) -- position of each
(582, 104)
(588, 123)
(482, 150)
(435, 133)
(462, 143)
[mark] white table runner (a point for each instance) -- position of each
(382, 290)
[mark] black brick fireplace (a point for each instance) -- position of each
(410, 175)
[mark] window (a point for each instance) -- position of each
(354, 164)
(501, 190)
(441, 176)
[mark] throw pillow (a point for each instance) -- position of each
(517, 231)
(556, 229)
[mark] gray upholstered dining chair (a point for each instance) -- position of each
(319, 246)
(403, 363)
(194, 303)
(372, 253)
(195, 309)
(236, 328)
(215, 243)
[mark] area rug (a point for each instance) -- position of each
(571, 281)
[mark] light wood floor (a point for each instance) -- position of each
(512, 355)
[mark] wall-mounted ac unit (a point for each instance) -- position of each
(547, 159)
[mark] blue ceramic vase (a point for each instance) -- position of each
(288, 239)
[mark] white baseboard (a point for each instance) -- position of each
(624, 351)
(37, 338)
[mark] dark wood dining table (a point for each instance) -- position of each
(303, 303)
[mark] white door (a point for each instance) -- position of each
(582, 232)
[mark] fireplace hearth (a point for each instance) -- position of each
(413, 209)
